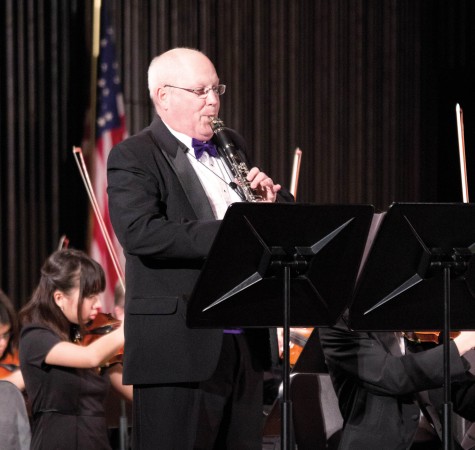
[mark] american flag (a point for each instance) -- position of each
(110, 130)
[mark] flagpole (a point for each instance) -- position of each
(95, 49)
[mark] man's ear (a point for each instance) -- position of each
(162, 97)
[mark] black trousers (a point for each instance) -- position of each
(224, 412)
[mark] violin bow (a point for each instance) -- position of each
(295, 172)
(463, 161)
(63, 242)
(78, 156)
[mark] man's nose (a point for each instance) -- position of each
(212, 98)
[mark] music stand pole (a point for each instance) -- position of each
(448, 407)
(458, 260)
(286, 406)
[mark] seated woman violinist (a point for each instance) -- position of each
(64, 380)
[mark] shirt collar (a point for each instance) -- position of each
(183, 138)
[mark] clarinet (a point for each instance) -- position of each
(238, 167)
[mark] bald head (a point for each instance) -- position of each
(169, 76)
(170, 66)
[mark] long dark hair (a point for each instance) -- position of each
(8, 317)
(64, 271)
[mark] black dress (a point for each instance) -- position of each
(67, 404)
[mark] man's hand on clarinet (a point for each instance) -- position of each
(263, 185)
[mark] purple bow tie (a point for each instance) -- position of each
(201, 147)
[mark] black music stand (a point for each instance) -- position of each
(422, 255)
(274, 265)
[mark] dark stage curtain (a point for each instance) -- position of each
(366, 88)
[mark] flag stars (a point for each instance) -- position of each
(104, 119)
(108, 84)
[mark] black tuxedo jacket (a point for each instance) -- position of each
(165, 224)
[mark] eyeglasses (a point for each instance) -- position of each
(5, 336)
(203, 92)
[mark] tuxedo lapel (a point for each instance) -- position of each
(175, 153)
(191, 184)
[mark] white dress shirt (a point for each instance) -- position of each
(214, 176)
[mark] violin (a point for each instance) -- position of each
(101, 325)
(428, 336)
(298, 338)
(9, 364)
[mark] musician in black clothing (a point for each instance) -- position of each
(390, 390)
(168, 189)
